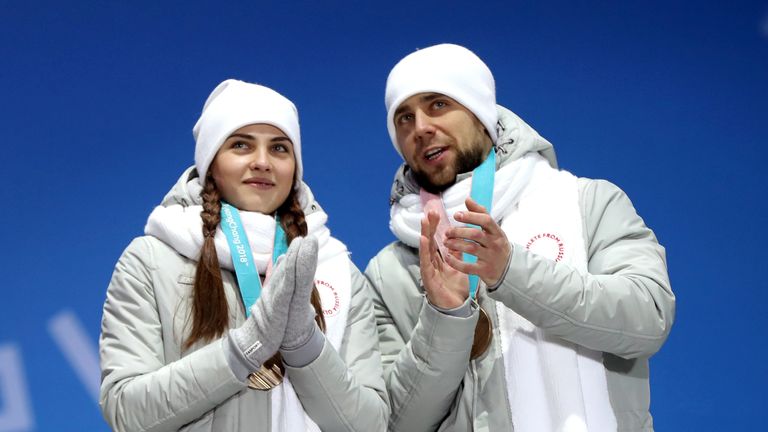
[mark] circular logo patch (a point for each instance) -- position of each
(547, 245)
(329, 298)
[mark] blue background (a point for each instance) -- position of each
(669, 100)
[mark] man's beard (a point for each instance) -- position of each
(465, 161)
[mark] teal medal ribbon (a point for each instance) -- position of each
(482, 193)
(245, 268)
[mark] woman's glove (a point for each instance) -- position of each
(301, 316)
(259, 338)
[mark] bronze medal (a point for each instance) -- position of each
(266, 378)
(483, 335)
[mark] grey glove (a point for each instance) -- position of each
(257, 340)
(301, 316)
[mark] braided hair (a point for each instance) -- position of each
(210, 311)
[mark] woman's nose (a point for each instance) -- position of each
(260, 160)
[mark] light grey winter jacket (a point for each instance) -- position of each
(624, 307)
(150, 383)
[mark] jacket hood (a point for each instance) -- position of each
(186, 192)
(516, 139)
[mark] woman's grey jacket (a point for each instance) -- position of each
(151, 383)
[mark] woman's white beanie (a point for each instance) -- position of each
(448, 69)
(234, 104)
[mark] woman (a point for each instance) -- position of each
(212, 321)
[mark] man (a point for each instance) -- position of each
(573, 294)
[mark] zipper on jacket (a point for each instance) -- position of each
(475, 388)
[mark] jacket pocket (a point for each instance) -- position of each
(202, 424)
(186, 279)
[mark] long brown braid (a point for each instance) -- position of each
(295, 225)
(210, 315)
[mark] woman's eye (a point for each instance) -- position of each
(440, 104)
(239, 145)
(280, 148)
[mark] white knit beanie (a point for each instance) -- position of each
(234, 104)
(447, 69)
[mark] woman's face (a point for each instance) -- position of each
(254, 168)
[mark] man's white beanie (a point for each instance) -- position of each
(234, 104)
(448, 69)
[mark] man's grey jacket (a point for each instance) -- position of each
(624, 308)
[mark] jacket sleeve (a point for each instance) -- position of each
(624, 305)
(423, 369)
(345, 391)
(139, 391)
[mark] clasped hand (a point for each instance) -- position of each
(447, 286)
(282, 317)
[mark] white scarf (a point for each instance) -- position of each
(406, 214)
(553, 385)
(181, 228)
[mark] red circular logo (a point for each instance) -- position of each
(329, 298)
(547, 245)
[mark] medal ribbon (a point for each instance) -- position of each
(481, 193)
(242, 259)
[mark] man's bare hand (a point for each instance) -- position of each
(489, 244)
(446, 287)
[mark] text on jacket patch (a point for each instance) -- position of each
(547, 245)
(329, 298)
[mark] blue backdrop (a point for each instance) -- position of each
(669, 100)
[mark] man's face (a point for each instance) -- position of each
(439, 139)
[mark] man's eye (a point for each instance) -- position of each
(405, 118)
